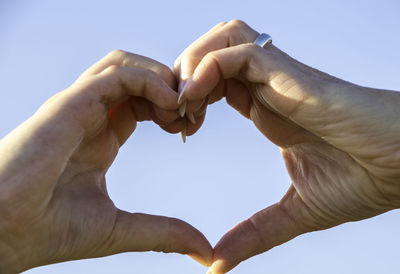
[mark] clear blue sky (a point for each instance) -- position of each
(227, 171)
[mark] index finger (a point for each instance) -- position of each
(221, 36)
(177, 63)
(126, 59)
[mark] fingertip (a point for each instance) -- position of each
(174, 127)
(223, 260)
(190, 91)
(204, 257)
(163, 117)
(204, 253)
(192, 242)
(159, 92)
(170, 102)
(181, 98)
(219, 267)
(182, 90)
(193, 128)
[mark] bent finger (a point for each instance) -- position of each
(116, 84)
(126, 59)
(221, 65)
(176, 126)
(223, 35)
(177, 63)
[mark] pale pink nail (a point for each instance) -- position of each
(181, 85)
(184, 87)
(191, 118)
(181, 98)
(182, 109)
(183, 135)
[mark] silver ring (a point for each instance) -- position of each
(263, 40)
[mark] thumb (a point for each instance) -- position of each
(143, 232)
(266, 229)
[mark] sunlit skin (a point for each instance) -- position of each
(54, 204)
(340, 141)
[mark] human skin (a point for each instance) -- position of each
(54, 204)
(340, 141)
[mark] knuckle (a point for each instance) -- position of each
(174, 224)
(150, 78)
(250, 52)
(221, 24)
(249, 47)
(118, 53)
(252, 226)
(164, 68)
(122, 57)
(177, 228)
(237, 24)
(165, 72)
(150, 75)
(111, 70)
(239, 32)
(172, 235)
(211, 55)
(163, 117)
(209, 58)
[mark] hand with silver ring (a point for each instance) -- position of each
(340, 141)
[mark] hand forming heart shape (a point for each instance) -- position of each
(340, 148)
(339, 145)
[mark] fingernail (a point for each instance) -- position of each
(182, 109)
(183, 85)
(209, 271)
(183, 135)
(181, 97)
(191, 118)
